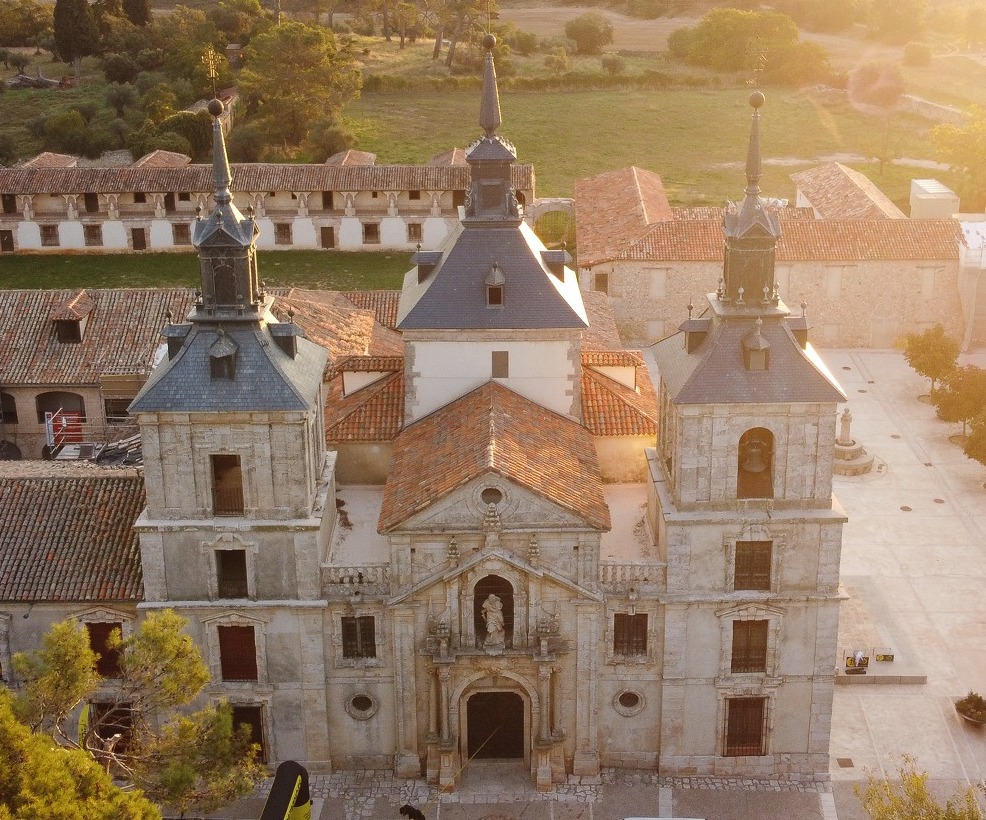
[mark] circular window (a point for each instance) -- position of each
(362, 706)
(491, 495)
(628, 702)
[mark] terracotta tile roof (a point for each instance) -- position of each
(375, 413)
(369, 364)
(247, 177)
(454, 156)
(493, 429)
(163, 159)
(382, 302)
(70, 539)
(74, 308)
(47, 159)
(612, 358)
(602, 333)
(717, 213)
(613, 409)
(806, 241)
(123, 331)
(331, 321)
(616, 206)
(352, 157)
(838, 192)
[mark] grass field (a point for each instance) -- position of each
(696, 139)
(332, 270)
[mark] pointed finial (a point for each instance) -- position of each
(167, 316)
(220, 162)
(754, 168)
(489, 111)
(691, 307)
(804, 308)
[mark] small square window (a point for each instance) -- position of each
(359, 637)
(184, 196)
(414, 232)
(501, 364)
(139, 197)
(414, 195)
(374, 194)
(371, 233)
(182, 234)
(327, 200)
(600, 282)
(282, 233)
(458, 199)
(93, 235)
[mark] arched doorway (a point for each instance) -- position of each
(495, 725)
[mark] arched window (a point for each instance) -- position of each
(493, 611)
(71, 404)
(8, 409)
(755, 464)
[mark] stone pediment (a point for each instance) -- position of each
(464, 509)
(494, 561)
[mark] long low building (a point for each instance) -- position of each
(51, 204)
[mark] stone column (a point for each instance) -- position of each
(586, 761)
(544, 694)
(433, 762)
(408, 763)
(444, 677)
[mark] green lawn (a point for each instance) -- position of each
(331, 270)
(695, 139)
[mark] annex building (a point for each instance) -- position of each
(462, 520)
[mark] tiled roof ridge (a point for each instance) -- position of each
(358, 401)
(612, 358)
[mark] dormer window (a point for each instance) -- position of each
(68, 330)
(71, 317)
(495, 281)
(222, 357)
(756, 349)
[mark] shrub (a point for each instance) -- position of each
(972, 706)
(917, 54)
(613, 64)
(877, 83)
(557, 62)
(590, 31)
(329, 137)
(120, 68)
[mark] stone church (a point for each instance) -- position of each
(486, 541)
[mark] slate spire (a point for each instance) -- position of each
(220, 162)
(489, 110)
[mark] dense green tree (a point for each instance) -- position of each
(613, 63)
(557, 61)
(120, 68)
(590, 32)
(119, 97)
(138, 11)
(975, 445)
(159, 102)
(239, 19)
(196, 128)
(67, 133)
(24, 22)
(38, 778)
(897, 21)
(160, 671)
(907, 798)
(76, 34)
(962, 396)
(295, 75)
(931, 353)
(328, 137)
(963, 147)
(876, 83)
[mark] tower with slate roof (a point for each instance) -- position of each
(240, 497)
(741, 502)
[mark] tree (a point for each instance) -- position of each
(295, 76)
(975, 444)
(38, 778)
(931, 354)
(897, 21)
(557, 62)
(877, 83)
(138, 11)
(613, 63)
(908, 797)
(964, 149)
(76, 34)
(120, 97)
(160, 671)
(963, 396)
(590, 32)
(24, 22)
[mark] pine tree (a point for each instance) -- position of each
(138, 11)
(76, 34)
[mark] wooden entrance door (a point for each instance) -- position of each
(7, 241)
(328, 236)
(139, 239)
(495, 725)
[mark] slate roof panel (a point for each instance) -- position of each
(716, 374)
(121, 336)
(454, 296)
(247, 177)
(70, 539)
(493, 429)
(266, 378)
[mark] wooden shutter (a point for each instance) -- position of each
(237, 653)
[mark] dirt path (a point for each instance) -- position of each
(629, 33)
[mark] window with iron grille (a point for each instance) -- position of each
(282, 233)
(371, 233)
(108, 662)
(252, 716)
(749, 646)
(359, 637)
(752, 567)
(630, 634)
(231, 572)
(49, 236)
(111, 719)
(93, 235)
(746, 727)
(237, 653)
(414, 233)
(181, 233)
(227, 485)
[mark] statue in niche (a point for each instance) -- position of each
(493, 616)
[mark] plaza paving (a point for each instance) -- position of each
(914, 566)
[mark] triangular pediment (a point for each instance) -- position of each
(464, 509)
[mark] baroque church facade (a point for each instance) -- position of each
(497, 541)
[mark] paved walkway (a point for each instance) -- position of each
(914, 565)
